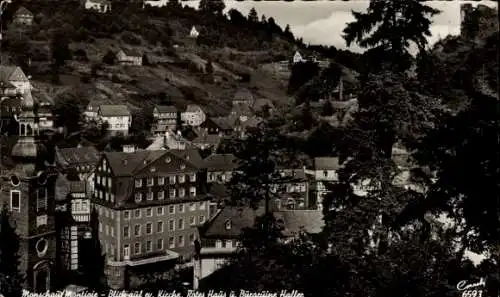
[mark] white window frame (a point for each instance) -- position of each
(160, 223)
(150, 229)
(18, 209)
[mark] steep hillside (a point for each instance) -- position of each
(175, 70)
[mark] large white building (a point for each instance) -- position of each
(193, 116)
(118, 118)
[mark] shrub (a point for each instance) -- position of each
(130, 38)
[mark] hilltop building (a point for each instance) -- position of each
(194, 33)
(118, 117)
(101, 6)
(128, 57)
(23, 16)
(193, 115)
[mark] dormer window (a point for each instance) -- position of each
(228, 224)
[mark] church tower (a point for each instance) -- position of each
(29, 189)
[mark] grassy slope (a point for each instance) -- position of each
(177, 81)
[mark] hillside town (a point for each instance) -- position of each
(169, 199)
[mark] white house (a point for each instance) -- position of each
(14, 75)
(128, 57)
(325, 171)
(194, 33)
(297, 58)
(193, 116)
(91, 111)
(101, 6)
(118, 117)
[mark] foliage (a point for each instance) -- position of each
(60, 49)
(301, 74)
(259, 153)
(109, 58)
(212, 6)
(377, 28)
(11, 279)
(327, 109)
(252, 16)
(68, 111)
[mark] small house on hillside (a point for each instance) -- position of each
(193, 116)
(15, 77)
(129, 57)
(165, 117)
(23, 16)
(243, 96)
(297, 58)
(118, 117)
(194, 33)
(102, 6)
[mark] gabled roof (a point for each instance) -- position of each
(193, 108)
(23, 11)
(190, 155)
(326, 163)
(126, 164)
(239, 219)
(130, 53)
(227, 162)
(114, 110)
(12, 73)
(166, 108)
(78, 155)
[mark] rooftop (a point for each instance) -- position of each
(166, 108)
(114, 110)
(126, 51)
(326, 163)
(78, 155)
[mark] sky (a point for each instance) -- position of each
(322, 22)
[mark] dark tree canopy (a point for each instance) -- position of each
(392, 26)
(253, 16)
(212, 6)
(11, 279)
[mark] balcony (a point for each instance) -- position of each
(146, 259)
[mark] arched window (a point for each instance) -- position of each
(22, 130)
(29, 131)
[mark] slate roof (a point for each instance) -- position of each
(240, 218)
(114, 110)
(190, 155)
(166, 108)
(126, 164)
(326, 163)
(78, 155)
(221, 162)
(12, 73)
(23, 11)
(193, 108)
(294, 221)
(126, 51)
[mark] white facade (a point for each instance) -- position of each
(117, 124)
(123, 58)
(297, 58)
(193, 118)
(194, 33)
(99, 6)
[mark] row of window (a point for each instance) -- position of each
(104, 195)
(159, 228)
(160, 210)
(103, 181)
(159, 245)
(160, 181)
(41, 200)
(148, 212)
(160, 195)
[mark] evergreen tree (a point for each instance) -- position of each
(10, 278)
(397, 24)
(174, 4)
(212, 6)
(252, 16)
(263, 19)
(95, 264)
(260, 153)
(288, 33)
